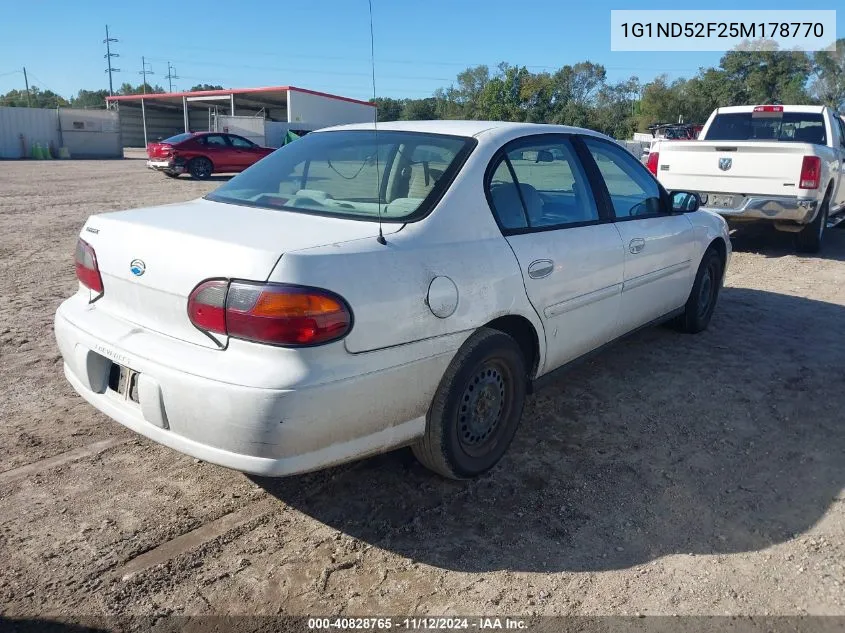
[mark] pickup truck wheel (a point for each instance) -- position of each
(705, 293)
(200, 168)
(809, 239)
(476, 409)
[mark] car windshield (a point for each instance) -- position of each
(354, 173)
(184, 136)
(798, 127)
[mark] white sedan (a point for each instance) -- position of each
(361, 290)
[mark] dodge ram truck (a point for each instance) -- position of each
(783, 164)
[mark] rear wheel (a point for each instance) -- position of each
(200, 168)
(477, 407)
(809, 239)
(705, 293)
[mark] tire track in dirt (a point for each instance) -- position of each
(57, 460)
(195, 538)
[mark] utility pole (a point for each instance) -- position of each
(170, 77)
(144, 72)
(28, 97)
(108, 57)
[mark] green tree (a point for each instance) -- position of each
(37, 98)
(389, 109)
(760, 77)
(420, 109)
(129, 89)
(828, 84)
(89, 99)
(199, 87)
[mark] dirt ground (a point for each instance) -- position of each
(673, 474)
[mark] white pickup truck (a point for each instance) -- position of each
(777, 163)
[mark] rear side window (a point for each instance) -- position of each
(541, 184)
(797, 127)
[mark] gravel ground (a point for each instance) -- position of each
(673, 474)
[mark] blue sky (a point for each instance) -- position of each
(325, 44)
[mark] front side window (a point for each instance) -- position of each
(355, 173)
(632, 190)
(215, 140)
(541, 185)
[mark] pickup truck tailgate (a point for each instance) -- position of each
(745, 167)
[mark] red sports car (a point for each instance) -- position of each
(204, 153)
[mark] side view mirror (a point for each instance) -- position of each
(684, 201)
(545, 156)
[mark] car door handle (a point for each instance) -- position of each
(636, 245)
(540, 268)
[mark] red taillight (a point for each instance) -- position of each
(811, 173)
(277, 314)
(87, 271)
(768, 108)
(653, 158)
(207, 306)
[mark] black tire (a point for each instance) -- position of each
(200, 168)
(809, 239)
(477, 407)
(704, 295)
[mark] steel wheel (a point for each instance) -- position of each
(484, 402)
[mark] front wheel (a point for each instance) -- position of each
(200, 168)
(477, 407)
(705, 292)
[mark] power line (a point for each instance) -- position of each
(49, 89)
(108, 57)
(144, 72)
(170, 77)
(312, 71)
(427, 62)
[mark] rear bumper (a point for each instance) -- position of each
(276, 431)
(774, 208)
(169, 166)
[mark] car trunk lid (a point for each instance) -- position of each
(158, 151)
(151, 259)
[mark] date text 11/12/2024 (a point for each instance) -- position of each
(418, 624)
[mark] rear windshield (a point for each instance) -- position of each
(801, 127)
(178, 138)
(357, 173)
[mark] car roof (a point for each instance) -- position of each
(466, 128)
